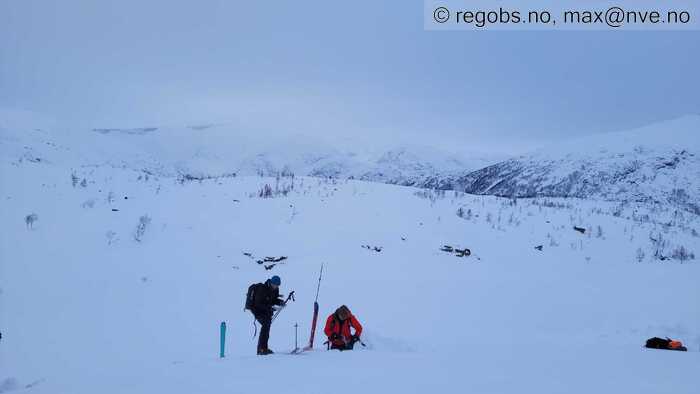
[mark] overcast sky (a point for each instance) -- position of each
(360, 68)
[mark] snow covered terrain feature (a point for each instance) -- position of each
(116, 280)
(658, 164)
(222, 150)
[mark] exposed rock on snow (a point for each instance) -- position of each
(465, 252)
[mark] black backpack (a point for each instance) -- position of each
(250, 296)
(668, 344)
(658, 343)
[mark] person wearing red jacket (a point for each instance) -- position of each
(338, 327)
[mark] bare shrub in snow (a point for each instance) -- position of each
(110, 197)
(83, 183)
(551, 204)
(599, 232)
(430, 194)
(30, 219)
(89, 203)
(285, 189)
(74, 179)
(666, 227)
(293, 214)
(183, 177)
(682, 254)
(286, 172)
(111, 237)
(282, 188)
(640, 255)
(143, 177)
(644, 218)
(617, 210)
(144, 221)
(460, 212)
(265, 191)
(659, 245)
(425, 193)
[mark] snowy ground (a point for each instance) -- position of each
(86, 308)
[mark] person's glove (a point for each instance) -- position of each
(334, 337)
(355, 338)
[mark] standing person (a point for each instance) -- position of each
(261, 299)
(338, 327)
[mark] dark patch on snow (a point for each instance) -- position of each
(134, 131)
(201, 127)
(275, 259)
(267, 259)
(464, 252)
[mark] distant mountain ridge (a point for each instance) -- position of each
(659, 163)
(206, 150)
(656, 164)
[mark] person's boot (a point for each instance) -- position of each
(264, 352)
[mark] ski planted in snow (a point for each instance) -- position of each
(315, 318)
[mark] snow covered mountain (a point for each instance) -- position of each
(657, 164)
(217, 149)
(115, 277)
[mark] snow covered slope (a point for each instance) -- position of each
(657, 164)
(212, 150)
(113, 280)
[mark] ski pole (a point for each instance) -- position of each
(289, 297)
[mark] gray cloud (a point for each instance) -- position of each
(365, 70)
